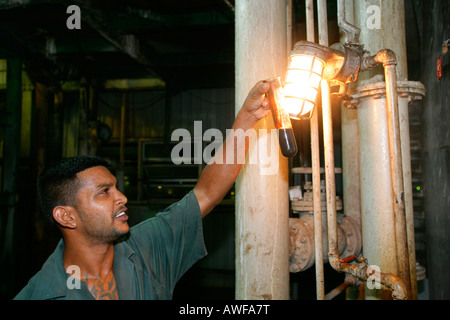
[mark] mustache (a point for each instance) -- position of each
(120, 209)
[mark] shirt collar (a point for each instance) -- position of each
(53, 277)
(52, 281)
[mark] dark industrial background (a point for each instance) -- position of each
(139, 69)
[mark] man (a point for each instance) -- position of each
(81, 197)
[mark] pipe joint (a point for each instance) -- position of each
(386, 57)
(364, 273)
(335, 262)
(395, 284)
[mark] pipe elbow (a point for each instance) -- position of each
(361, 271)
(396, 285)
(386, 57)
(334, 262)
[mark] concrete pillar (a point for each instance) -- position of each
(262, 194)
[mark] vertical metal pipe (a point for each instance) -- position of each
(326, 108)
(310, 20)
(262, 196)
(322, 22)
(333, 251)
(395, 151)
(289, 25)
(407, 185)
(315, 160)
(318, 238)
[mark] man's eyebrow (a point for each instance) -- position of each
(108, 185)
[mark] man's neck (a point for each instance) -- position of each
(95, 263)
(92, 259)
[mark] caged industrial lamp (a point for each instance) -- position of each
(308, 64)
(303, 77)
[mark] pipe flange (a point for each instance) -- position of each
(412, 90)
(301, 253)
(353, 236)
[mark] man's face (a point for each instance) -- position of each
(100, 206)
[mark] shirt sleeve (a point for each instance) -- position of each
(170, 243)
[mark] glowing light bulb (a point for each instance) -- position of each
(302, 84)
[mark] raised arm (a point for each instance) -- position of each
(218, 177)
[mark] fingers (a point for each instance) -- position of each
(257, 102)
(256, 95)
(275, 82)
(260, 88)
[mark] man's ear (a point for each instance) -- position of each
(65, 216)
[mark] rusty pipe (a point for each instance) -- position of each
(388, 59)
(385, 56)
(362, 271)
(389, 64)
(350, 281)
(315, 163)
(309, 6)
(396, 284)
(333, 250)
(352, 33)
(322, 22)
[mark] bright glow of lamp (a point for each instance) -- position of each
(302, 84)
(308, 64)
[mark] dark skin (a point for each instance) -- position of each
(99, 217)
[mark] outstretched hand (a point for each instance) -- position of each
(218, 177)
(256, 103)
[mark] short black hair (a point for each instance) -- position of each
(58, 185)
